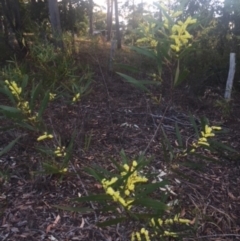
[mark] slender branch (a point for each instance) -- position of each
(156, 131)
(219, 235)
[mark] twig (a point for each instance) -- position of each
(5, 238)
(85, 190)
(107, 91)
(156, 131)
(175, 119)
(219, 235)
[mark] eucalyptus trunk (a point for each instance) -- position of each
(55, 22)
(91, 17)
(109, 18)
(118, 34)
(72, 22)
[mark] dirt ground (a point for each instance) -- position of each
(117, 116)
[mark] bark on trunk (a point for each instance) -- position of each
(91, 17)
(109, 19)
(118, 34)
(11, 11)
(55, 22)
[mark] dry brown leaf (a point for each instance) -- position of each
(193, 221)
(183, 212)
(231, 196)
(48, 228)
(56, 220)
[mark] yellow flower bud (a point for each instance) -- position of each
(110, 191)
(63, 170)
(127, 192)
(138, 236)
(208, 129)
(160, 222)
(203, 139)
(134, 163)
(153, 222)
(133, 236)
(76, 97)
(52, 96)
(126, 167)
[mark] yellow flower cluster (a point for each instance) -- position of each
(132, 179)
(180, 35)
(22, 105)
(118, 198)
(208, 132)
(60, 151)
(33, 118)
(137, 235)
(16, 91)
(127, 189)
(45, 136)
(203, 140)
(169, 221)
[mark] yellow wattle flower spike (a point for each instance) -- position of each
(133, 236)
(44, 136)
(216, 128)
(208, 129)
(203, 143)
(177, 14)
(170, 234)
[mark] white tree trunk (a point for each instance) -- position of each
(231, 74)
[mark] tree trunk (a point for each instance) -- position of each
(55, 22)
(109, 18)
(11, 10)
(72, 22)
(118, 34)
(91, 17)
(64, 14)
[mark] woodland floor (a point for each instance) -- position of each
(117, 116)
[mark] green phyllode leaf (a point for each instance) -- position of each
(11, 112)
(112, 222)
(43, 105)
(9, 146)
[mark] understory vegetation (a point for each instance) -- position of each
(102, 141)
